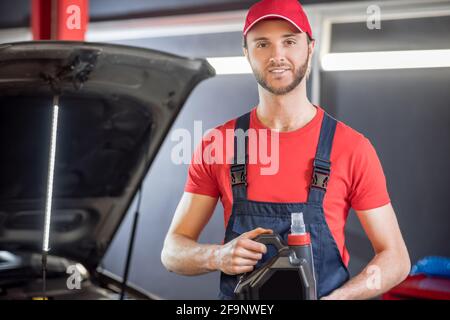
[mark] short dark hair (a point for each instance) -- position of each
(244, 40)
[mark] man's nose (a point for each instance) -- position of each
(277, 54)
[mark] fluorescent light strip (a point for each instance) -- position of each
(378, 60)
(386, 60)
(51, 167)
(230, 65)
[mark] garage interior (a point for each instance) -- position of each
(404, 112)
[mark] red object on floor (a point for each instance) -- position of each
(59, 19)
(420, 287)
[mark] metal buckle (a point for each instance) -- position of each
(238, 174)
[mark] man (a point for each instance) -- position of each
(343, 164)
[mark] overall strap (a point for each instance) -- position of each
(238, 169)
(321, 163)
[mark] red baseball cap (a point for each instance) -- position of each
(289, 10)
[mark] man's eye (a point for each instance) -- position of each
(290, 42)
(261, 45)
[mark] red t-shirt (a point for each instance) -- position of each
(356, 180)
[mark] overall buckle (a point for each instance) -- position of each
(321, 173)
(238, 174)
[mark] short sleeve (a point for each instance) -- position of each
(201, 178)
(369, 188)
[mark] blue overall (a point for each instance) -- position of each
(330, 271)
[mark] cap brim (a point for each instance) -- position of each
(271, 16)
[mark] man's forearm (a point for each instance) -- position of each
(386, 270)
(185, 256)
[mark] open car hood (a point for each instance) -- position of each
(117, 104)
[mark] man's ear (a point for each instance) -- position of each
(312, 44)
(245, 50)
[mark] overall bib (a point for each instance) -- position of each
(246, 215)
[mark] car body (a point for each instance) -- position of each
(116, 106)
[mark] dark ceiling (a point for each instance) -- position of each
(16, 13)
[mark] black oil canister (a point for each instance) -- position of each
(289, 275)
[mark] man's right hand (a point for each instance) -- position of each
(241, 254)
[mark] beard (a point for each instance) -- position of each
(299, 74)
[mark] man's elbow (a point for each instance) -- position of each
(404, 264)
(165, 257)
(406, 267)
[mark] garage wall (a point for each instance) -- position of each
(406, 116)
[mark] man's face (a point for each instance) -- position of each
(278, 54)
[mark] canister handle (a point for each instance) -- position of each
(273, 239)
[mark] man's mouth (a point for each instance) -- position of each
(278, 70)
